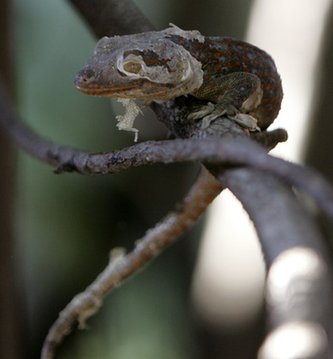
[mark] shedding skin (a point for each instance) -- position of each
(239, 79)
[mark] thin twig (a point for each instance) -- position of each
(85, 304)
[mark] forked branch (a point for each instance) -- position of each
(121, 266)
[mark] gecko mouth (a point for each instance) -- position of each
(94, 91)
(87, 82)
(90, 82)
(102, 91)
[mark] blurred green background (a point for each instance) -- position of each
(65, 225)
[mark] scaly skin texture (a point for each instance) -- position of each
(235, 76)
(229, 56)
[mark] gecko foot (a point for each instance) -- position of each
(202, 112)
(245, 120)
(210, 112)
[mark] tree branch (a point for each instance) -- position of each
(299, 288)
(121, 266)
(264, 206)
(232, 149)
(112, 17)
(67, 159)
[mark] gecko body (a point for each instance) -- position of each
(236, 77)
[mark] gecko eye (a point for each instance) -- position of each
(132, 67)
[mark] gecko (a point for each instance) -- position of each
(237, 79)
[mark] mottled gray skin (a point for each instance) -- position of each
(146, 66)
(160, 65)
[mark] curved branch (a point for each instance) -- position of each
(230, 150)
(68, 159)
(300, 277)
(275, 211)
(238, 150)
(121, 266)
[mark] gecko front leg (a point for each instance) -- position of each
(234, 95)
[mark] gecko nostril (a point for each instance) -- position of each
(84, 77)
(88, 75)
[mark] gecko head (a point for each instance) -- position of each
(145, 66)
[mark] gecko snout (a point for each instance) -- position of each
(85, 79)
